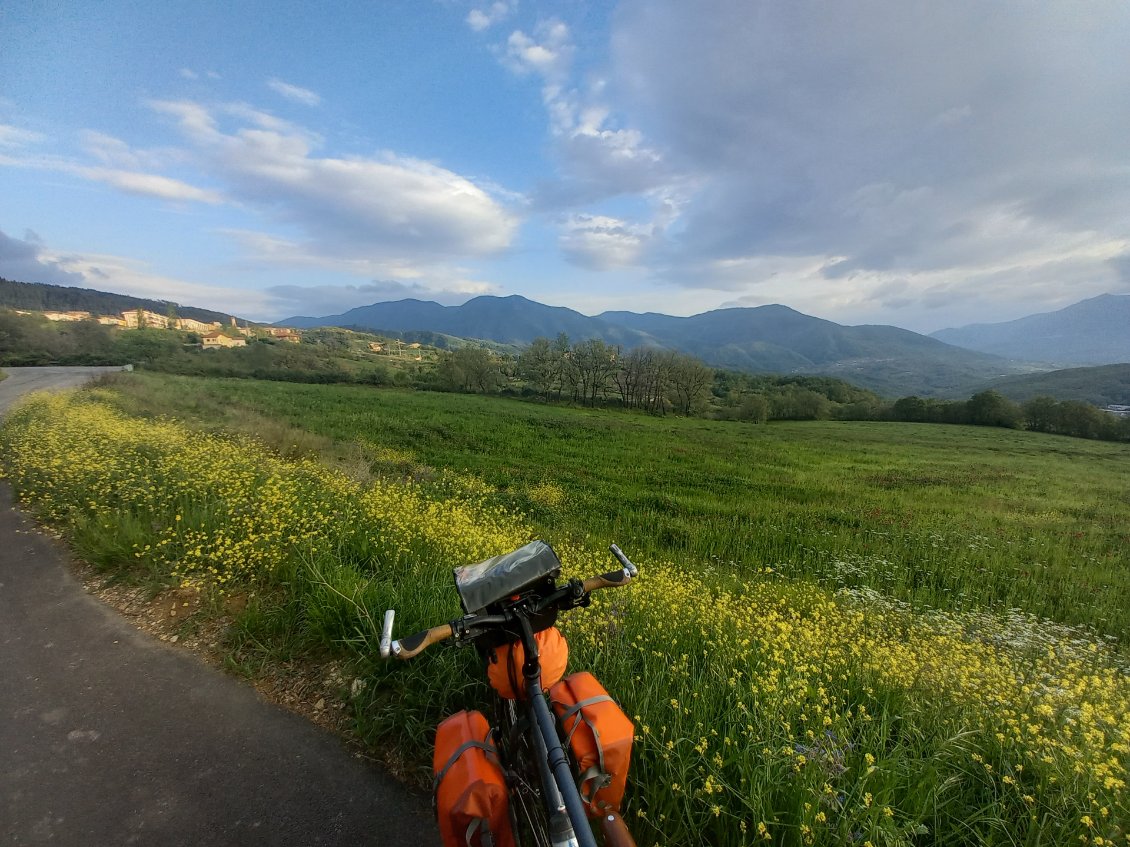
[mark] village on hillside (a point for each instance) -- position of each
(212, 335)
(215, 335)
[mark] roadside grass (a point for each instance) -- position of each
(769, 709)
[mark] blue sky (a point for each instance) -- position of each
(914, 163)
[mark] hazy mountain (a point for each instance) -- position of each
(1091, 332)
(1102, 385)
(766, 339)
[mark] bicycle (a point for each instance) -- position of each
(511, 603)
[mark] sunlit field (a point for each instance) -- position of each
(837, 638)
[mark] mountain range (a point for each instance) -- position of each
(1090, 332)
(762, 339)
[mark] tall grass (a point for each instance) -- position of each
(768, 709)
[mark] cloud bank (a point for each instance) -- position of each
(950, 146)
(27, 260)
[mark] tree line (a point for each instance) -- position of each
(594, 373)
(1040, 414)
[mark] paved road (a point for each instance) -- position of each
(22, 380)
(108, 736)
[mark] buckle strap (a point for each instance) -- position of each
(580, 704)
(598, 772)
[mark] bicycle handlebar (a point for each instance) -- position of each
(569, 596)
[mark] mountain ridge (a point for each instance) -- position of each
(761, 339)
(1090, 332)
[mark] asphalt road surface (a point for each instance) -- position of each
(20, 381)
(108, 736)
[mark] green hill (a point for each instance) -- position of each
(1102, 385)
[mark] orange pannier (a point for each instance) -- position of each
(504, 667)
(472, 803)
(600, 736)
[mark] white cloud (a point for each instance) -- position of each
(13, 136)
(488, 16)
(599, 242)
(190, 74)
(152, 185)
(116, 153)
(598, 156)
(293, 92)
(384, 206)
(124, 179)
(548, 53)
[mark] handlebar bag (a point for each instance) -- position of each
(471, 800)
(502, 576)
(600, 737)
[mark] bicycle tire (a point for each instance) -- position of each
(528, 815)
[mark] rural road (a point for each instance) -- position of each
(108, 736)
(21, 381)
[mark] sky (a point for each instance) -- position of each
(910, 162)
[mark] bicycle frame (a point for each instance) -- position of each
(556, 760)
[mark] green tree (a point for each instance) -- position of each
(690, 382)
(594, 362)
(540, 366)
(989, 408)
(1040, 414)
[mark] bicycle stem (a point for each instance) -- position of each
(555, 753)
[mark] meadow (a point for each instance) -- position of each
(867, 634)
(945, 517)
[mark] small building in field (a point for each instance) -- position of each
(215, 340)
(376, 347)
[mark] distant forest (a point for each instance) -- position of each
(40, 297)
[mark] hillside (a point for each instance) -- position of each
(1090, 332)
(776, 338)
(765, 339)
(40, 297)
(1102, 385)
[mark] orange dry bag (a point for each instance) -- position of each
(600, 736)
(504, 668)
(472, 804)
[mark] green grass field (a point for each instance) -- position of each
(944, 516)
(783, 689)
